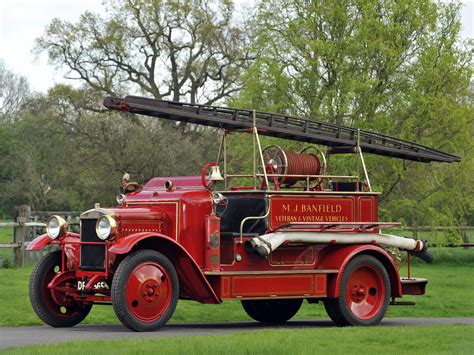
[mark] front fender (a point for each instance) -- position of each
(193, 283)
(44, 240)
(39, 242)
(337, 257)
(124, 245)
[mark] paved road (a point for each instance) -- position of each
(20, 336)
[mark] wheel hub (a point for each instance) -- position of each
(60, 294)
(365, 292)
(148, 291)
(358, 293)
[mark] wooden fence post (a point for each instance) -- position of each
(465, 238)
(20, 233)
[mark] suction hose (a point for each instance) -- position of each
(267, 243)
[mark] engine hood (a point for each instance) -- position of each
(129, 213)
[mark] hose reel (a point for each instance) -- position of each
(287, 163)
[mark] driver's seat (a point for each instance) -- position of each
(240, 207)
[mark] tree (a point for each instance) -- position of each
(396, 67)
(97, 148)
(181, 50)
(192, 49)
(14, 95)
(14, 90)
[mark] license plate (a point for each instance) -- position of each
(81, 285)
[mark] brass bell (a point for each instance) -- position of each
(215, 174)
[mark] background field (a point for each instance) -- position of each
(372, 340)
(450, 293)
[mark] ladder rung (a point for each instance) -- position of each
(339, 138)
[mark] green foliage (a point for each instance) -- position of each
(397, 68)
(7, 264)
(65, 153)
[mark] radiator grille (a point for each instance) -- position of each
(92, 256)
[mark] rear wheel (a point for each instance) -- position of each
(272, 311)
(332, 311)
(54, 306)
(145, 290)
(364, 293)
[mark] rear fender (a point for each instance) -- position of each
(193, 283)
(337, 257)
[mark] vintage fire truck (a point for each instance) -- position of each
(292, 232)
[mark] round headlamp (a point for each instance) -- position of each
(56, 227)
(106, 227)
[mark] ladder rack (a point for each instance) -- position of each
(340, 139)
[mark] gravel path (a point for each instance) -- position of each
(20, 336)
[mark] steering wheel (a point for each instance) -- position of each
(220, 202)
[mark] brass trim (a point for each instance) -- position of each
(63, 227)
(95, 213)
(113, 227)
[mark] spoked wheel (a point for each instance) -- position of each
(53, 306)
(272, 311)
(145, 290)
(321, 157)
(276, 162)
(364, 293)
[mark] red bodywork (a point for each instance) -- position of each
(208, 251)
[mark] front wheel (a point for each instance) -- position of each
(54, 306)
(364, 293)
(272, 311)
(145, 290)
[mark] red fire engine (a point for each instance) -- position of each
(293, 233)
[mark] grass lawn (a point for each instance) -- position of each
(457, 339)
(450, 293)
(6, 236)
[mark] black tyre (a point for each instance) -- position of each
(272, 311)
(332, 311)
(364, 293)
(145, 290)
(53, 306)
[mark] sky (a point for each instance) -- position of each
(22, 21)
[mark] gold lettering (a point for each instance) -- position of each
(313, 208)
